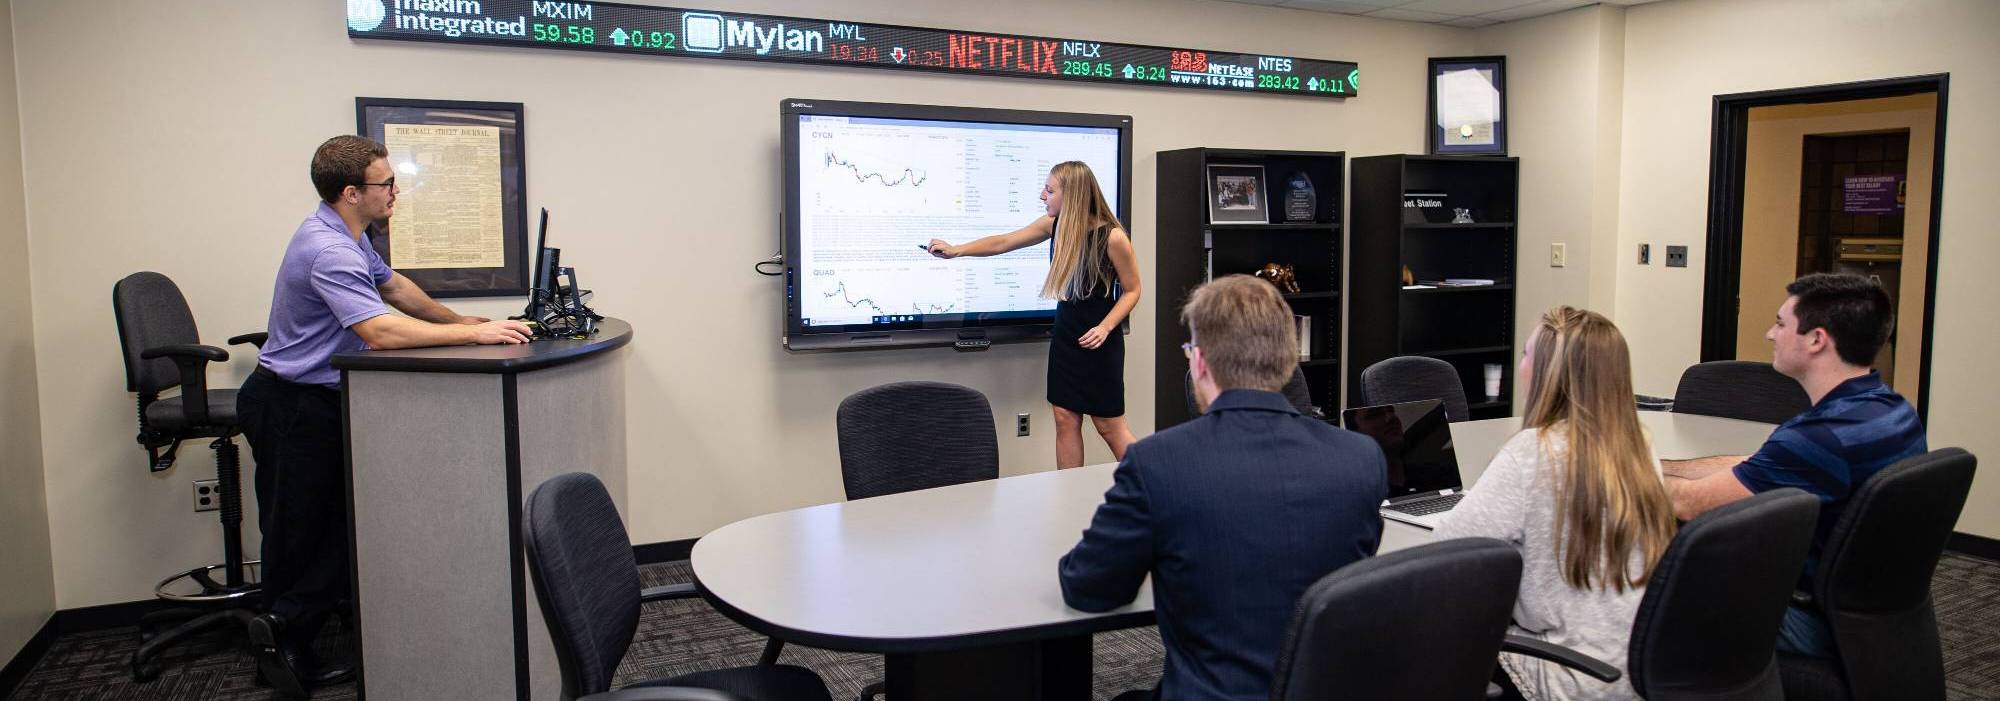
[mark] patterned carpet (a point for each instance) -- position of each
(684, 636)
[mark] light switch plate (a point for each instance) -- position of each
(1558, 256)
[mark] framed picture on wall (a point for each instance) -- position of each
(1467, 111)
(460, 227)
(1236, 195)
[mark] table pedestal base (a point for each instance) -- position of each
(1052, 670)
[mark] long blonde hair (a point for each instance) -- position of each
(1080, 265)
(1609, 500)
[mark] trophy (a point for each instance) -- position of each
(1284, 277)
(1300, 200)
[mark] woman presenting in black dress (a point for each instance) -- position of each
(1094, 278)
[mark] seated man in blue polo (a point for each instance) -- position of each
(1233, 513)
(1826, 337)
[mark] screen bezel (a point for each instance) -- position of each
(951, 329)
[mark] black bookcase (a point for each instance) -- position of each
(1467, 326)
(1193, 250)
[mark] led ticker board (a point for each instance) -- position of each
(666, 31)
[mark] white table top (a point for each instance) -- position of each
(1674, 437)
(975, 564)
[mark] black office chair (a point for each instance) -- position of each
(905, 436)
(162, 350)
(1740, 389)
(1410, 378)
(587, 583)
(1295, 390)
(1421, 623)
(1707, 627)
(1874, 585)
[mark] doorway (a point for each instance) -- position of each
(1842, 178)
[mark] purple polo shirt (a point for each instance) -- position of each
(326, 284)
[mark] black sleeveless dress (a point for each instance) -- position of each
(1088, 381)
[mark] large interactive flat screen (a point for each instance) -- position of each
(867, 185)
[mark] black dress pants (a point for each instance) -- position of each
(295, 435)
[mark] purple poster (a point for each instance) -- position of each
(1871, 194)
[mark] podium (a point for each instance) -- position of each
(443, 446)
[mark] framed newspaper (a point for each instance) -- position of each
(460, 227)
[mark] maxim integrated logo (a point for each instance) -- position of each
(365, 15)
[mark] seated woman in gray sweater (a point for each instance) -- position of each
(1578, 491)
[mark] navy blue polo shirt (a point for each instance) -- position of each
(1829, 450)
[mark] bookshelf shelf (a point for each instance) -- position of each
(1192, 250)
(1469, 326)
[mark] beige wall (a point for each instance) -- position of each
(1775, 153)
(1680, 54)
(1564, 90)
(184, 151)
(27, 596)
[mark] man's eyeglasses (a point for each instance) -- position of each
(390, 183)
(1187, 349)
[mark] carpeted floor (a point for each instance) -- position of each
(685, 636)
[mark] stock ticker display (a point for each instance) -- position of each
(666, 31)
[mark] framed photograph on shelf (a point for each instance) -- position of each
(1236, 195)
(1467, 112)
(460, 226)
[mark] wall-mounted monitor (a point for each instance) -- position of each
(868, 184)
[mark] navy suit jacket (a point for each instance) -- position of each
(1234, 514)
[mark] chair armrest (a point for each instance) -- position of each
(192, 359)
(1558, 654)
(255, 338)
(663, 693)
(668, 593)
(186, 350)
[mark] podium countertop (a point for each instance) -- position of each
(495, 359)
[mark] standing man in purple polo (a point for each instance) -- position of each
(333, 295)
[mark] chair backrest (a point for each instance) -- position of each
(1409, 378)
(1707, 627)
(906, 436)
(1420, 623)
(151, 313)
(1875, 579)
(1740, 389)
(1295, 390)
(586, 579)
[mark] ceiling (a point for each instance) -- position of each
(1456, 13)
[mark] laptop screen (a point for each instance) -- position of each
(1415, 438)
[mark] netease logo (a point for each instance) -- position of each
(365, 15)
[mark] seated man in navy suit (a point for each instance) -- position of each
(1234, 513)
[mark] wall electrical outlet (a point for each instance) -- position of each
(1558, 257)
(1020, 425)
(206, 496)
(1677, 256)
(1645, 254)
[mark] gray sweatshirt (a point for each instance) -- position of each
(1514, 501)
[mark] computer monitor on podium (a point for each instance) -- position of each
(547, 263)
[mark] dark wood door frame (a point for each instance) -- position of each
(1727, 152)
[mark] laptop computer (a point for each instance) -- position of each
(1423, 470)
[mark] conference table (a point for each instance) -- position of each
(956, 586)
